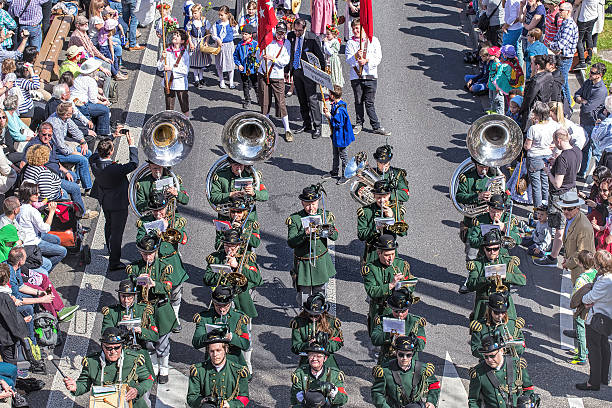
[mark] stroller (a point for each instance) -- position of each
(67, 228)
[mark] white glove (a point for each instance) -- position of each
(300, 396)
(333, 393)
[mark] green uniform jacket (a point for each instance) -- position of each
(242, 301)
(255, 239)
(474, 236)
(144, 186)
(303, 380)
(480, 329)
(387, 394)
(481, 388)
(223, 184)
(415, 324)
(393, 174)
(135, 374)
(376, 279)
(229, 384)
(366, 228)
(470, 184)
(306, 274)
(236, 322)
(484, 287)
(167, 251)
(303, 330)
(160, 271)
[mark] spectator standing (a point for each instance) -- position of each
(599, 215)
(533, 16)
(537, 89)
(552, 21)
(534, 47)
(7, 23)
(513, 27)
(591, 95)
(599, 302)
(601, 137)
(321, 15)
(128, 7)
(587, 17)
(564, 44)
(110, 188)
(497, 71)
(494, 9)
(301, 42)
(562, 178)
(342, 132)
(29, 15)
(557, 94)
(363, 63)
(537, 144)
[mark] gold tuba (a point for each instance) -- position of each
(166, 139)
(248, 138)
(493, 140)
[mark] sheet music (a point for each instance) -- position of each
(485, 228)
(216, 268)
(495, 270)
(314, 219)
(394, 325)
(383, 221)
(157, 225)
(240, 183)
(165, 182)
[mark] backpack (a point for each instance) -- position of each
(517, 77)
(45, 327)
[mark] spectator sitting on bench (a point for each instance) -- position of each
(15, 54)
(20, 133)
(62, 123)
(27, 80)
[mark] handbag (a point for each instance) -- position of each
(602, 324)
(485, 20)
(33, 256)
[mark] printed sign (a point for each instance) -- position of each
(320, 77)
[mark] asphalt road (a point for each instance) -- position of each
(420, 99)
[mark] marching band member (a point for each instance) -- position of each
(313, 324)
(153, 275)
(483, 286)
(497, 321)
(115, 365)
(128, 308)
(399, 302)
(367, 230)
(312, 264)
(497, 217)
(230, 255)
(223, 314)
(316, 376)
(218, 382)
(405, 381)
(168, 248)
(382, 275)
(384, 171)
(238, 210)
(498, 380)
(223, 187)
(146, 185)
(472, 190)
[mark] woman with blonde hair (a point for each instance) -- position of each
(576, 132)
(599, 323)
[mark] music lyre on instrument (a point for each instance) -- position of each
(116, 399)
(493, 140)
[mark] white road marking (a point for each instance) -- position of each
(331, 285)
(77, 339)
(452, 391)
(173, 393)
(575, 402)
(566, 317)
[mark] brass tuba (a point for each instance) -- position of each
(361, 187)
(248, 138)
(166, 139)
(493, 140)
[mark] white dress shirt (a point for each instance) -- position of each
(281, 59)
(373, 55)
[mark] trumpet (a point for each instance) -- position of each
(399, 226)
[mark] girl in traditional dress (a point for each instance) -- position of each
(331, 47)
(250, 18)
(321, 15)
(197, 27)
(223, 32)
(175, 62)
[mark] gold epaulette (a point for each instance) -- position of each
(193, 370)
(475, 326)
(422, 322)
(139, 223)
(85, 362)
(402, 212)
(245, 320)
(105, 310)
(473, 372)
(522, 363)
(210, 259)
(140, 360)
(470, 265)
(475, 223)
(255, 225)
(360, 212)
(253, 257)
(293, 324)
(244, 372)
(330, 217)
(365, 269)
(215, 177)
(516, 260)
(406, 267)
(180, 222)
(337, 323)
(295, 379)
(341, 376)
(197, 318)
(519, 323)
(377, 320)
(128, 269)
(260, 176)
(462, 178)
(288, 221)
(137, 185)
(429, 369)
(377, 372)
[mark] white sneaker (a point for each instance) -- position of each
(222, 85)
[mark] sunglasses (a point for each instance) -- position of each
(594, 73)
(46, 134)
(568, 209)
(491, 249)
(404, 355)
(490, 356)
(116, 348)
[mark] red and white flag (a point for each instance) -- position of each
(366, 18)
(266, 22)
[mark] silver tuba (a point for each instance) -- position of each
(166, 139)
(493, 140)
(248, 138)
(361, 187)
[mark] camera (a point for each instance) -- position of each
(528, 401)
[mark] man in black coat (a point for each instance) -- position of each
(305, 88)
(110, 188)
(537, 88)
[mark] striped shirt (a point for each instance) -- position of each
(566, 39)
(26, 85)
(551, 26)
(30, 17)
(49, 183)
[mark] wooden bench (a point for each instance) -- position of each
(46, 64)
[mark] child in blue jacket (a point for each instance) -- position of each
(341, 132)
(244, 59)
